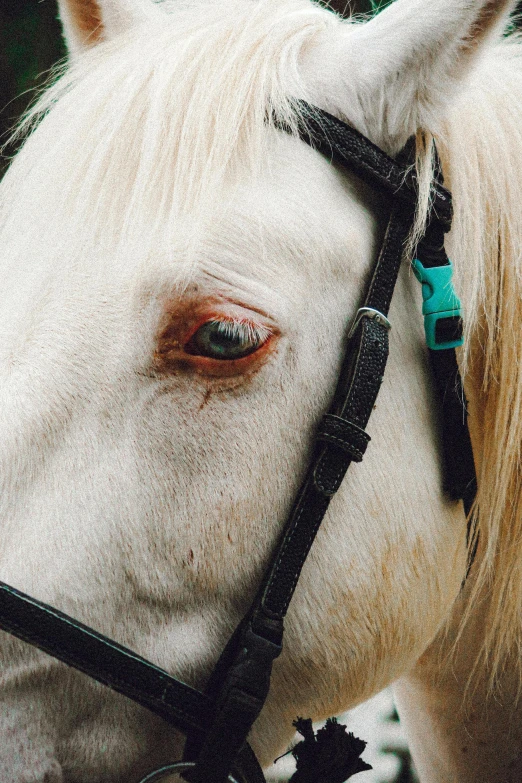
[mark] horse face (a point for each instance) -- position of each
(160, 398)
(153, 479)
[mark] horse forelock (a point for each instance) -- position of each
(155, 123)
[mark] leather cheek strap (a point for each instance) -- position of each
(341, 438)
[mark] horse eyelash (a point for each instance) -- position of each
(258, 333)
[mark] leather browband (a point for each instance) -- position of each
(347, 147)
(218, 722)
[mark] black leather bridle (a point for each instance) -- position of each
(218, 721)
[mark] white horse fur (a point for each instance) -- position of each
(143, 490)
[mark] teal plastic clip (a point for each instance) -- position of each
(440, 303)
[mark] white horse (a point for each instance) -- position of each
(146, 470)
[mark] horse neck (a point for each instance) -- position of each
(458, 729)
(462, 714)
(460, 704)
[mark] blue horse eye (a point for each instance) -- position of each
(224, 340)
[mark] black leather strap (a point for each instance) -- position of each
(117, 667)
(367, 374)
(246, 665)
(386, 271)
(327, 469)
(460, 481)
(459, 478)
(359, 383)
(240, 702)
(104, 660)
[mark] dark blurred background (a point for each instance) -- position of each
(31, 43)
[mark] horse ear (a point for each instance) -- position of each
(399, 70)
(86, 22)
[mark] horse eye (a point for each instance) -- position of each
(226, 340)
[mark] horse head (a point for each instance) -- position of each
(178, 280)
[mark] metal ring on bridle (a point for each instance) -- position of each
(171, 769)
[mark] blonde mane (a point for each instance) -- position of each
(481, 146)
(192, 101)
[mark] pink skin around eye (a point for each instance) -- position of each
(182, 321)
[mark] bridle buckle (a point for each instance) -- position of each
(368, 312)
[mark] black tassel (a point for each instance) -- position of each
(330, 756)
